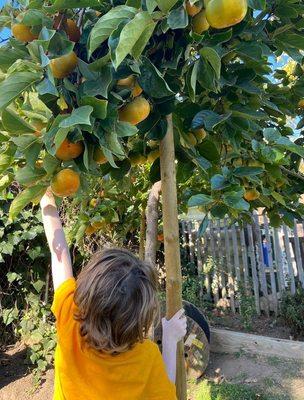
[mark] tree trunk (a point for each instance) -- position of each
(152, 223)
(142, 234)
(171, 241)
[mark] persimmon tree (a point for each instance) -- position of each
(88, 87)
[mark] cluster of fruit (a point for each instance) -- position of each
(216, 13)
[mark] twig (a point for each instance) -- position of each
(81, 15)
(293, 173)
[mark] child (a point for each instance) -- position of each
(102, 320)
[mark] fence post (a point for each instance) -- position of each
(289, 261)
(255, 280)
(298, 253)
(229, 266)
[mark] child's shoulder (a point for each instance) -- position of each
(148, 346)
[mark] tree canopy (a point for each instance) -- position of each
(95, 80)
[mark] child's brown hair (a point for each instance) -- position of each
(116, 299)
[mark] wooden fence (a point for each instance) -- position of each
(255, 259)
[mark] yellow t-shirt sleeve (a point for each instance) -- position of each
(63, 304)
(159, 386)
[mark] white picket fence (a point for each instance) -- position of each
(262, 261)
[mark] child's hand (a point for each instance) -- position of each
(175, 328)
(47, 199)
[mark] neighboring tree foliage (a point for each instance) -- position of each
(85, 91)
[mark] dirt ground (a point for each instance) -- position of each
(274, 376)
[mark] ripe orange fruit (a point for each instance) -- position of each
(256, 163)
(191, 139)
(90, 229)
(128, 82)
(137, 159)
(23, 33)
(193, 9)
(301, 103)
(224, 13)
(251, 194)
(99, 224)
(135, 112)
(72, 30)
(200, 23)
(237, 162)
(153, 155)
(69, 150)
(65, 183)
(200, 134)
(99, 156)
(70, 27)
(160, 237)
(137, 90)
(93, 203)
(64, 65)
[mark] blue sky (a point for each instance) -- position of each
(5, 32)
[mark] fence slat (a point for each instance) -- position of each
(255, 280)
(271, 270)
(229, 267)
(221, 260)
(245, 260)
(214, 258)
(198, 248)
(236, 254)
(298, 253)
(289, 260)
(191, 242)
(279, 259)
(260, 261)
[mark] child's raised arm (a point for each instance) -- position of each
(61, 260)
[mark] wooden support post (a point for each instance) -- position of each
(171, 242)
(152, 223)
(142, 234)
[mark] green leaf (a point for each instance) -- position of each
(206, 76)
(8, 56)
(219, 182)
(133, 37)
(27, 175)
(50, 163)
(246, 112)
(248, 171)
(98, 87)
(5, 181)
(212, 57)
(152, 81)
(178, 18)
(99, 106)
(5, 161)
(14, 85)
(191, 79)
(107, 24)
(38, 285)
(200, 200)
(124, 129)
(24, 198)
(203, 226)
(166, 5)
(278, 197)
(236, 201)
(15, 124)
(208, 119)
(292, 39)
(79, 116)
(59, 5)
(257, 4)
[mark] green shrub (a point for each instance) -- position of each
(292, 311)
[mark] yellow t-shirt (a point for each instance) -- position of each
(82, 373)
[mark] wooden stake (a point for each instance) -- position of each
(171, 242)
(152, 223)
(142, 233)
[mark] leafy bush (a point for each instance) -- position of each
(247, 308)
(292, 311)
(24, 307)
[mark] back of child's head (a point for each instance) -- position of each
(116, 299)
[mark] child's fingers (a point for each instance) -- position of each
(180, 313)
